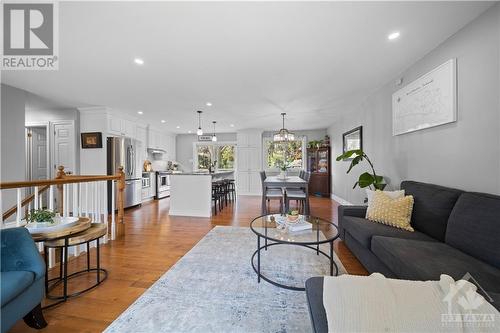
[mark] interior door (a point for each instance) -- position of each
(64, 146)
(38, 158)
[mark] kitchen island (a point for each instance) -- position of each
(191, 193)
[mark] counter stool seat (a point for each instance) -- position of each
(94, 233)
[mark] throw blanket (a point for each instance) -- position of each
(378, 304)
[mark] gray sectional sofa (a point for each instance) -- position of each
(456, 233)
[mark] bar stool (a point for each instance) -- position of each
(217, 195)
(232, 189)
(94, 233)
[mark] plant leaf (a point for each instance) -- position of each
(354, 162)
(365, 180)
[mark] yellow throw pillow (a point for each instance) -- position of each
(393, 212)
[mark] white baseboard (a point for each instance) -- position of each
(340, 200)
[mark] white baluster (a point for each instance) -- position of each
(51, 197)
(86, 199)
(95, 201)
(105, 209)
(75, 200)
(36, 201)
(99, 204)
(19, 207)
(113, 218)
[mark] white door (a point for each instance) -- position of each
(64, 146)
(39, 152)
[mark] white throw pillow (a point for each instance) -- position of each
(391, 194)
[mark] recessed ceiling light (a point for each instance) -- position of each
(393, 35)
(177, 127)
(163, 121)
(209, 104)
(189, 132)
(232, 125)
(139, 61)
(140, 112)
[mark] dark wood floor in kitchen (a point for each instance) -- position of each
(154, 242)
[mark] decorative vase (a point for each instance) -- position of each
(282, 174)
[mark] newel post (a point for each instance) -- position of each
(60, 190)
(120, 198)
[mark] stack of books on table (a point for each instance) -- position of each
(299, 226)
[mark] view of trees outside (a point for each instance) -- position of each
(277, 151)
(204, 157)
(224, 155)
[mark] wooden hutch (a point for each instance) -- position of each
(319, 165)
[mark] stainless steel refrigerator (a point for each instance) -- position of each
(124, 152)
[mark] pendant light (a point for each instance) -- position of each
(283, 134)
(214, 138)
(199, 131)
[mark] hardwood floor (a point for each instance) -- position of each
(153, 243)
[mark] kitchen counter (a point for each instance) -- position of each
(191, 192)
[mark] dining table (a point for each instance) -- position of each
(283, 183)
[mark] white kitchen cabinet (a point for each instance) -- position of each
(142, 135)
(114, 125)
(249, 162)
(121, 127)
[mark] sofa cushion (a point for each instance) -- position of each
(422, 260)
(474, 227)
(362, 230)
(14, 283)
(432, 207)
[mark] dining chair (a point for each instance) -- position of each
(270, 193)
(298, 194)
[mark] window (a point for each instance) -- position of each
(225, 158)
(275, 153)
(222, 153)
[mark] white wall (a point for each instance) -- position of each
(464, 154)
(184, 147)
(13, 141)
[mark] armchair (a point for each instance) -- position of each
(22, 278)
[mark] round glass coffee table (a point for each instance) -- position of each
(274, 229)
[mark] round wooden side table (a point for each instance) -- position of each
(62, 238)
(94, 233)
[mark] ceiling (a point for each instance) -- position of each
(252, 60)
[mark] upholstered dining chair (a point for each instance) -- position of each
(297, 194)
(270, 193)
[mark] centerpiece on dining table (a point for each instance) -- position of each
(284, 166)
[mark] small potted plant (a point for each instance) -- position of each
(41, 216)
(292, 216)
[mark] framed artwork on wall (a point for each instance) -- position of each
(352, 139)
(91, 140)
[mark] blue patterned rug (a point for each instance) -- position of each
(213, 288)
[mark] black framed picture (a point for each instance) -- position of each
(352, 139)
(91, 140)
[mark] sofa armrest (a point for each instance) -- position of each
(356, 211)
(19, 252)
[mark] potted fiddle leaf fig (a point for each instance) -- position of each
(366, 179)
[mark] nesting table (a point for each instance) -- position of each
(84, 231)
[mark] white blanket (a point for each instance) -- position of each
(377, 304)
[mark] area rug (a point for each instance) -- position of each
(213, 288)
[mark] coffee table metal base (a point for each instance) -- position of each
(267, 279)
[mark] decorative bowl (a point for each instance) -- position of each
(292, 218)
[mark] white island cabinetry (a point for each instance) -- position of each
(191, 193)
